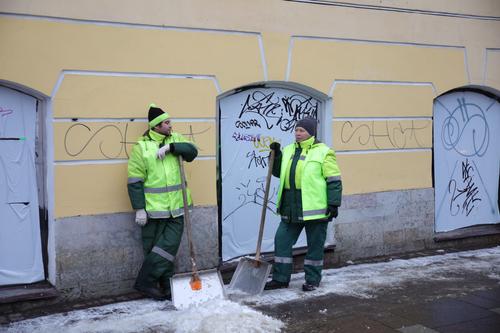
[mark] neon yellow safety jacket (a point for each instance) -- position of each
(155, 184)
(316, 175)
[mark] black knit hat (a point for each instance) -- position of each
(156, 115)
(309, 124)
(154, 112)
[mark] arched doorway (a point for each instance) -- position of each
(249, 119)
(466, 159)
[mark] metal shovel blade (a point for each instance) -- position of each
(183, 296)
(250, 276)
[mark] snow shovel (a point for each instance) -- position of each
(251, 274)
(198, 286)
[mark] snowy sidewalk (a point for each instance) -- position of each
(455, 292)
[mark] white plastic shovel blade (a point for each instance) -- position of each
(183, 296)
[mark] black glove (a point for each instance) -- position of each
(333, 212)
(276, 147)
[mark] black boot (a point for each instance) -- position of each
(145, 283)
(310, 286)
(165, 288)
(273, 284)
(151, 292)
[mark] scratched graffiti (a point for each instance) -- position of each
(112, 141)
(466, 165)
(380, 133)
(112, 136)
(251, 192)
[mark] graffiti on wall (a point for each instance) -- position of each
(111, 141)
(467, 167)
(249, 122)
(385, 134)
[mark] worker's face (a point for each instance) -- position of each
(165, 127)
(301, 134)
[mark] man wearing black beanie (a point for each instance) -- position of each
(309, 195)
(154, 188)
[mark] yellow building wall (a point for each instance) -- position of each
(105, 96)
(102, 188)
(492, 68)
(376, 172)
(381, 72)
(352, 60)
(362, 99)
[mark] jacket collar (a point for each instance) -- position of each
(155, 136)
(306, 144)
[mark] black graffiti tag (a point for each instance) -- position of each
(247, 124)
(257, 160)
(284, 112)
(463, 199)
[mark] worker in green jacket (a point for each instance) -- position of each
(154, 188)
(309, 196)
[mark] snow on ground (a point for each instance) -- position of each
(365, 280)
(153, 316)
(362, 281)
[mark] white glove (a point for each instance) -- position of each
(141, 218)
(163, 151)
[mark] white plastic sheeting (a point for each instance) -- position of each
(20, 243)
(466, 160)
(249, 121)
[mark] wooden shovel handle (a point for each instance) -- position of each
(187, 220)
(264, 204)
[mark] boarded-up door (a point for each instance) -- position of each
(249, 120)
(466, 160)
(20, 241)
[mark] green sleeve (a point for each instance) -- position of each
(187, 150)
(136, 195)
(184, 147)
(331, 172)
(136, 176)
(334, 193)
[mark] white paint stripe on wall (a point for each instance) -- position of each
(128, 120)
(381, 151)
(115, 161)
(380, 82)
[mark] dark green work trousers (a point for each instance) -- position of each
(160, 240)
(286, 236)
